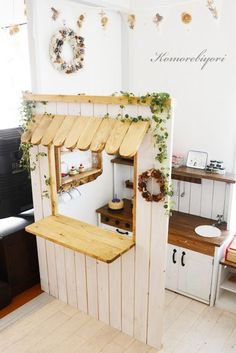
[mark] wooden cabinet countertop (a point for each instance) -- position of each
(182, 233)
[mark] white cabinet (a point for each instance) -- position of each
(189, 273)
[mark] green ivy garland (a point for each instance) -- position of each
(159, 103)
(27, 116)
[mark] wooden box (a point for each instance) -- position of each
(231, 251)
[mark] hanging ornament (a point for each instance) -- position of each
(186, 18)
(104, 19)
(131, 21)
(55, 13)
(212, 7)
(14, 29)
(157, 19)
(80, 20)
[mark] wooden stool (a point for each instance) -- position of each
(5, 294)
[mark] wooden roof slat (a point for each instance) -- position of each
(93, 241)
(64, 130)
(117, 135)
(133, 138)
(102, 134)
(75, 133)
(52, 130)
(40, 130)
(88, 133)
(26, 136)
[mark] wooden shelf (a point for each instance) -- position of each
(124, 161)
(228, 263)
(229, 284)
(121, 218)
(90, 240)
(182, 233)
(197, 174)
(80, 178)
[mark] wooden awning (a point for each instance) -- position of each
(84, 133)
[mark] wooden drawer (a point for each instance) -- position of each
(116, 230)
(118, 223)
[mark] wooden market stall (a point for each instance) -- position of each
(118, 279)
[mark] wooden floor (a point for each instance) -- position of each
(21, 299)
(54, 327)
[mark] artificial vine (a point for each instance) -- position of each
(159, 103)
(27, 117)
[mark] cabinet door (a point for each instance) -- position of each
(195, 274)
(172, 266)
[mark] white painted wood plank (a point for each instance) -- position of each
(62, 108)
(87, 109)
(92, 288)
(81, 282)
(218, 199)
(227, 202)
(51, 108)
(175, 197)
(52, 270)
(143, 230)
(128, 279)
(184, 198)
(100, 110)
(74, 109)
(38, 214)
(43, 267)
(103, 292)
(71, 277)
(115, 293)
(44, 175)
(61, 273)
(195, 199)
(207, 196)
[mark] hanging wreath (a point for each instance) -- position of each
(77, 44)
(142, 185)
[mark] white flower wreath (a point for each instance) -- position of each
(77, 45)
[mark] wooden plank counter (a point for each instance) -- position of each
(202, 174)
(182, 233)
(90, 240)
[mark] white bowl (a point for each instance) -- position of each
(208, 231)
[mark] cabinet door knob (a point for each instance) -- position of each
(173, 256)
(107, 219)
(117, 222)
(182, 258)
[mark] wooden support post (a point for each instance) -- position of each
(53, 178)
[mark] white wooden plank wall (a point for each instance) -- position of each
(208, 199)
(129, 293)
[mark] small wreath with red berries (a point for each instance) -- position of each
(142, 185)
(77, 44)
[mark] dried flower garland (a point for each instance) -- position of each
(77, 45)
(157, 19)
(131, 21)
(212, 7)
(186, 18)
(142, 185)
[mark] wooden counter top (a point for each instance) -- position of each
(182, 232)
(90, 240)
(124, 215)
(202, 174)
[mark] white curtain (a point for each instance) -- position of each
(14, 62)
